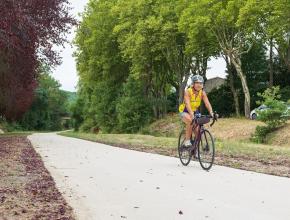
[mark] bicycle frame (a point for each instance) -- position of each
(198, 138)
(202, 142)
(200, 130)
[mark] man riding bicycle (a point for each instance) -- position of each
(193, 97)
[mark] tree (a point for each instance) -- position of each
(28, 31)
(231, 75)
(140, 35)
(270, 21)
(221, 18)
(134, 111)
(255, 68)
(274, 117)
(48, 107)
(101, 69)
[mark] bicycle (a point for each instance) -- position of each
(203, 147)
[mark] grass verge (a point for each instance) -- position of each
(16, 134)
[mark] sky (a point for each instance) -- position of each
(66, 73)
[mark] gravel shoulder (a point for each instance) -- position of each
(27, 190)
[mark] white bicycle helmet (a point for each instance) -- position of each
(197, 78)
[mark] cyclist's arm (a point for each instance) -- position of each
(207, 103)
(187, 102)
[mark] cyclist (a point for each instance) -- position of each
(193, 97)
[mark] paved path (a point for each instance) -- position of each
(102, 182)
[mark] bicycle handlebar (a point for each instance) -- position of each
(214, 117)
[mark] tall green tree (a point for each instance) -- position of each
(48, 107)
(270, 21)
(100, 66)
(221, 19)
(139, 33)
(133, 109)
(151, 41)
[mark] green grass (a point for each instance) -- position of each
(252, 150)
(18, 133)
(128, 139)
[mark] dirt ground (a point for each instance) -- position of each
(27, 191)
(224, 129)
(281, 137)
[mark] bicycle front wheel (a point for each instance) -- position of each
(184, 153)
(206, 150)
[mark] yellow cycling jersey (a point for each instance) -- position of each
(195, 101)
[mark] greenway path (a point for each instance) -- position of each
(102, 182)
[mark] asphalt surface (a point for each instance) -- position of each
(102, 182)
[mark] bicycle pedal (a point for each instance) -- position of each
(183, 147)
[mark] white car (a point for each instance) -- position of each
(254, 113)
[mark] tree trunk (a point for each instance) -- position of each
(182, 87)
(287, 57)
(236, 61)
(232, 86)
(202, 67)
(235, 94)
(271, 69)
(177, 96)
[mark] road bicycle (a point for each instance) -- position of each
(203, 147)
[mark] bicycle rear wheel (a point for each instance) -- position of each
(206, 150)
(184, 153)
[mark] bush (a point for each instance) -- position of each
(133, 111)
(274, 117)
(222, 101)
(87, 125)
(285, 94)
(76, 109)
(9, 126)
(102, 106)
(48, 107)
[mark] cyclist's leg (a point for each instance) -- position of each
(186, 118)
(196, 128)
(196, 131)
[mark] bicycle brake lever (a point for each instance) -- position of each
(216, 116)
(213, 121)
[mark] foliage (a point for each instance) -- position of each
(48, 108)
(269, 20)
(220, 20)
(222, 100)
(133, 110)
(274, 116)
(159, 45)
(100, 66)
(28, 32)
